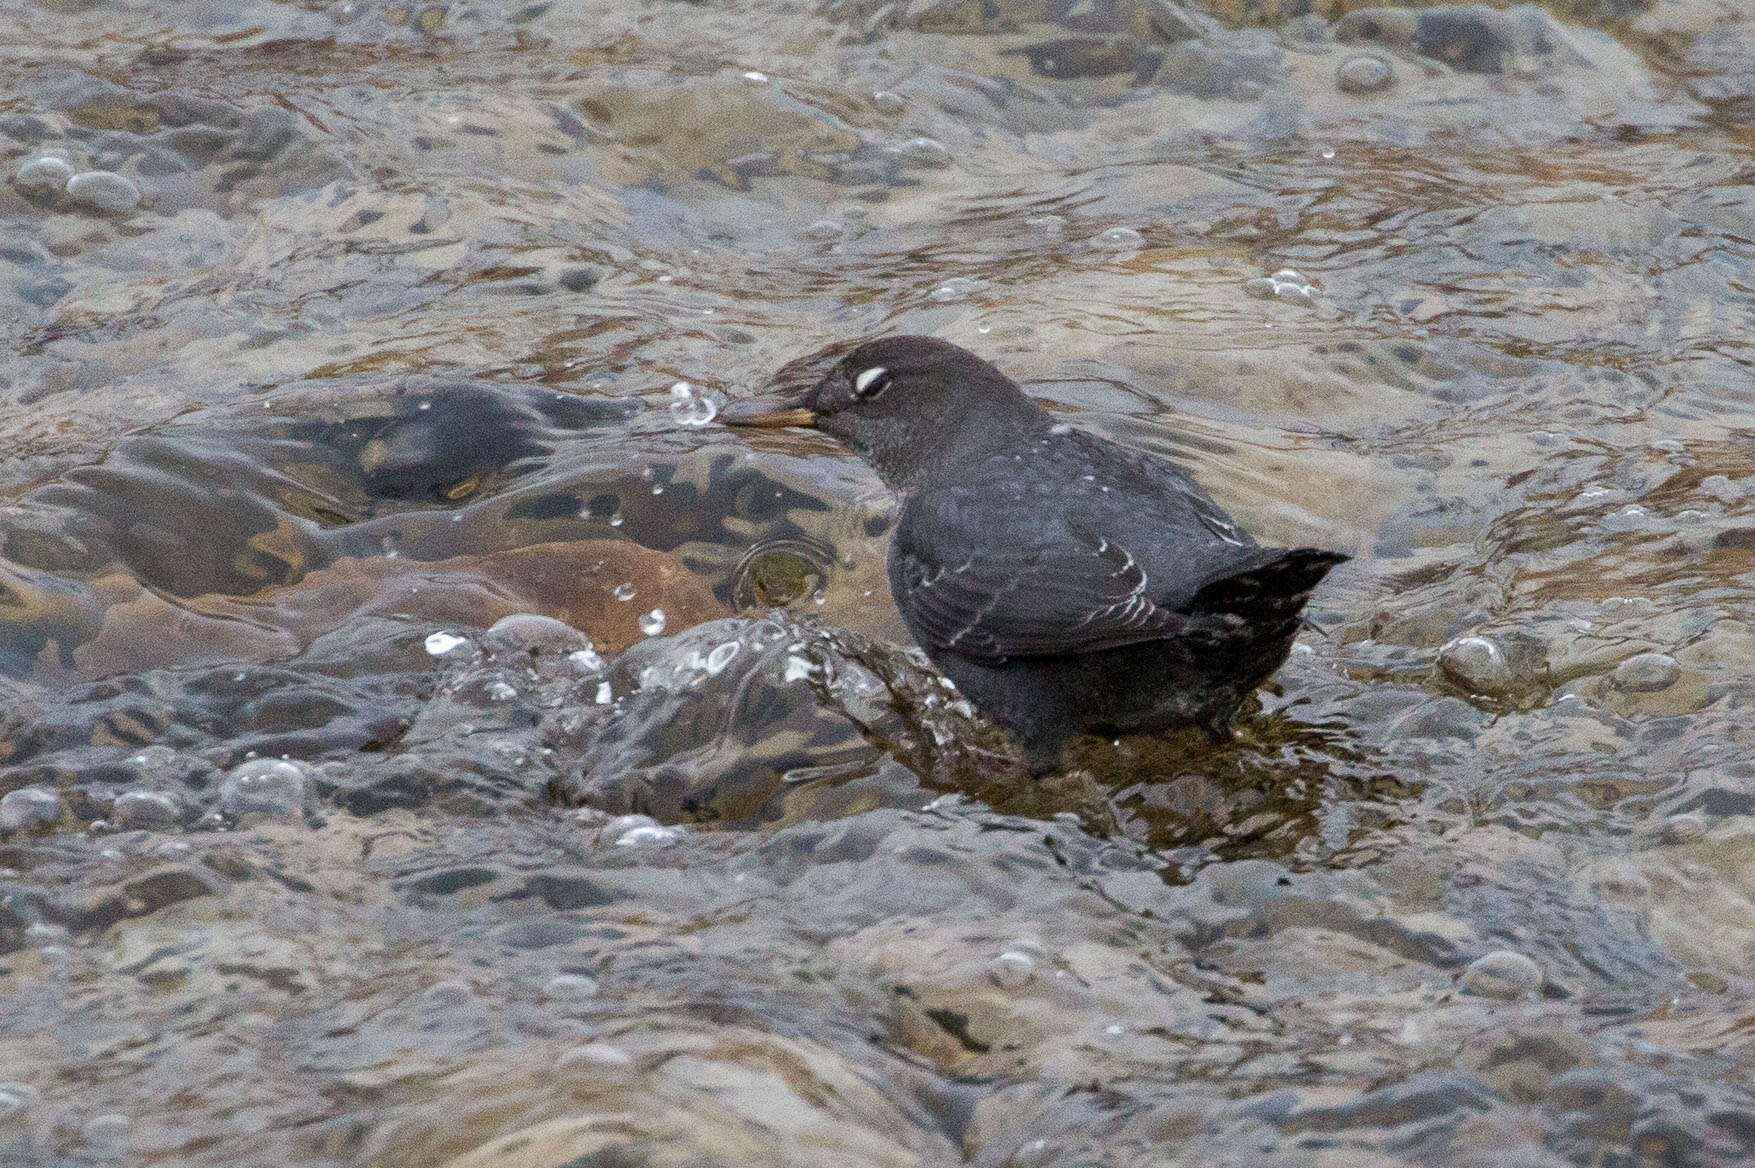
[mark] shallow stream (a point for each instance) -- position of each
(428, 738)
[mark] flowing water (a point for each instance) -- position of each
(428, 738)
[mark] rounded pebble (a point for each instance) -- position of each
(28, 807)
(146, 809)
(104, 189)
(1476, 663)
(1364, 75)
(1502, 974)
(43, 176)
(1647, 672)
(270, 786)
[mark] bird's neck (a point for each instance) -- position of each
(934, 451)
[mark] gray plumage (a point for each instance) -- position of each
(1064, 583)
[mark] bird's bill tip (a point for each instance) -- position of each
(767, 417)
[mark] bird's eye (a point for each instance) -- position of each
(872, 382)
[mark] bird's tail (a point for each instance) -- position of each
(1270, 593)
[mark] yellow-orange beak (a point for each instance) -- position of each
(767, 417)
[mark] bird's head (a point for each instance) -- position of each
(905, 403)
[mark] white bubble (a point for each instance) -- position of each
(570, 987)
(15, 1096)
(652, 623)
(145, 809)
(1121, 239)
(588, 659)
(648, 837)
(1285, 284)
(634, 831)
(271, 786)
(108, 1132)
(104, 189)
(1012, 969)
(43, 176)
(720, 657)
(605, 694)
(596, 1058)
(955, 288)
(689, 408)
(439, 644)
(447, 995)
(28, 807)
(625, 591)
(929, 152)
(754, 75)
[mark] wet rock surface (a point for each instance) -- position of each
(427, 739)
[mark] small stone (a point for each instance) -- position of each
(269, 786)
(104, 189)
(1476, 663)
(577, 279)
(1502, 974)
(28, 807)
(43, 176)
(145, 810)
(1364, 75)
(1647, 672)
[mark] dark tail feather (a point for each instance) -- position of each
(1271, 592)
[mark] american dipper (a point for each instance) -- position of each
(1064, 583)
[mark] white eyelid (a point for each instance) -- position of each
(864, 380)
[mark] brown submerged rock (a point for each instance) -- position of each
(573, 582)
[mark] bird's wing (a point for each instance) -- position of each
(968, 590)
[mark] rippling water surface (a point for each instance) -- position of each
(428, 738)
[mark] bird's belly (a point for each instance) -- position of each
(1141, 688)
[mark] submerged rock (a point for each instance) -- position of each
(1470, 37)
